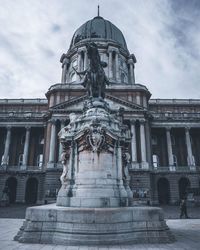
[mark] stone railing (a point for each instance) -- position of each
(176, 169)
(22, 168)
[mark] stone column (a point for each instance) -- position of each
(7, 147)
(47, 142)
(52, 144)
(60, 145)
(133, 142)
(51, 100)
(117, 66)
(26, 146)
(131, 68)
(110, 71)
(64, 69)
(189, 147)
(143, 144)
(169, 147)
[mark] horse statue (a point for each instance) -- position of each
(94, 80)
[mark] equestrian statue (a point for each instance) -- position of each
(94, 79)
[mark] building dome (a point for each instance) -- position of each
(99, 28)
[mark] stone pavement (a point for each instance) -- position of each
(186, 231)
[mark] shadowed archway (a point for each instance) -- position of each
(31, 190)
(163, 191)
(11, 183)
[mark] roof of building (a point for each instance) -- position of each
(98, 28)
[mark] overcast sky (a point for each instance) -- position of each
(163, 34)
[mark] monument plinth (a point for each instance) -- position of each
(94, 203)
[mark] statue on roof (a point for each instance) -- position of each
(94, 77)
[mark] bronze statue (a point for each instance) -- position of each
(94, 79)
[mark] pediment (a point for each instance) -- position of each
(76, 104)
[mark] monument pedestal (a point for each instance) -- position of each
(94, 226)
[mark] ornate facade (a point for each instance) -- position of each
(162, 136)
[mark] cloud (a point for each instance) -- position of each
(163, 34)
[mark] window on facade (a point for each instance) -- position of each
(82, 60)
(40, 160)
(20, 160)
(154, 140)
(155, 161)
(175, 163)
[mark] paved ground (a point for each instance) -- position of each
(187, 233)
(171, 212)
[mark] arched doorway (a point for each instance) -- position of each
(163, 191)
(183, 184)
(11, 183)
(31, 190)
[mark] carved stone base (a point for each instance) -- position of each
(94, 226)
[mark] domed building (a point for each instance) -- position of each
(162, 135)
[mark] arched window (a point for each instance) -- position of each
(155, 161)
(40, 160)
(175, 163)
(114, 64)
(20, 160)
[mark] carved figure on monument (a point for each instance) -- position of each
(126, 176)
(65, 162)
(127, 163)
(94, 80)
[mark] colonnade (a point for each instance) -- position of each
(5, 158)
(190, 158)
(52, 141)
(143, 152)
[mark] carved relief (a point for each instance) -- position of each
(96, 138)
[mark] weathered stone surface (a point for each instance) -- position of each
(94, 226)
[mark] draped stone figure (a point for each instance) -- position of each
(94, 77)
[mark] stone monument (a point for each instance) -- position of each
(94, 204)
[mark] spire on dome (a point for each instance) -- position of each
(98, 10)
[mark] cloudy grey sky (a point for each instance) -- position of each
(163, 34)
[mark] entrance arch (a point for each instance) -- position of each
(31, 190)
(163, 191)
(183, 184)
(11, 183)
